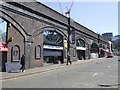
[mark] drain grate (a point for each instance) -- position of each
(105, 85)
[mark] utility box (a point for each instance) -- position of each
(12, 66)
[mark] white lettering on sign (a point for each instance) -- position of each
(80, 48)
(52, 47)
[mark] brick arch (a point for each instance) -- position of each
(11, 20)
(94, 43)
(41, 30)
(83, 38)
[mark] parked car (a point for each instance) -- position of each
(110, 54)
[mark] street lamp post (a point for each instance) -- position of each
(68, 35)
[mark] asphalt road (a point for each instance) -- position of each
(101, 73)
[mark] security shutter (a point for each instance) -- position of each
(52, 53)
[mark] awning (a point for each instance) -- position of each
(2, 49)
(3, 44)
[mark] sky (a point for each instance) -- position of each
(100, 17)
(2, 26)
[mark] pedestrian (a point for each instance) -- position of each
(22, 69)
(68, 59)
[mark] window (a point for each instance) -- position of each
(37, 52)
(80, 43)
(15, 53)
(52, 38)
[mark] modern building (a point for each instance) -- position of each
(108, 36)
(45, 36)
(116, 44)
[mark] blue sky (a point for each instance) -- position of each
(101, 17)
(2, 26)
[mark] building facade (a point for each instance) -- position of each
(45, 36)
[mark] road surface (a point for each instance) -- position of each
(101, 73)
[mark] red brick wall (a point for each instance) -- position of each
(18, 39)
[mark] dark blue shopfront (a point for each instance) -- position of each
(53, 56)
(52, 53)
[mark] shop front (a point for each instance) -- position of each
(53, 47)
(94, 51)
(53, 54)
(81, 49)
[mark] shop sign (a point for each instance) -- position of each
(52, 47)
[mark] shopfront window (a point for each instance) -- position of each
(53, 38)
(15, 52)
(3, 30)
(80, 43)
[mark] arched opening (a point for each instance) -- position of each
(53, 38)
(94, 50)
(80, 46)
(15, 53)
(37, 52)
(52, 47)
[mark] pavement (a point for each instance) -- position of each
(46, 68)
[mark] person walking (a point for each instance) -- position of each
(22, 69)
(68, 59)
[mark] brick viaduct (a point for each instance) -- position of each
(28, 23)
